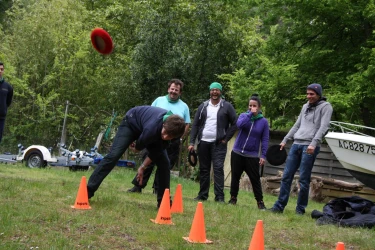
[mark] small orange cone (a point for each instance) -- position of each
(257, 241)
(198, 229)
(82, 200)
(164, 213)
(340, 246)
(177, 206)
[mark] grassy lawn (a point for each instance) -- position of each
(35, 213)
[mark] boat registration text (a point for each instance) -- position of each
(356, 146)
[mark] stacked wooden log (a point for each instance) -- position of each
(321, 189)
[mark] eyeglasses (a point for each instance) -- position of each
(310, 94)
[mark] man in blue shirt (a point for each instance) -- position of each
(171, 102)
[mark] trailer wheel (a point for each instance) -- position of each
(35, 160)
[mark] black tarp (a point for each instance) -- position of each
(352, 211)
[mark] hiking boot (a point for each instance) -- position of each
(233, 200)
(261, 205)
(199, 198)
(219, 199)
(275, 210)
(298, 212)
(135, 189)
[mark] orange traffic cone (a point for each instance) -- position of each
(164, 213)
(177, 206)
(82, 200)
(340, 246)
(257, 241)
(198, 229)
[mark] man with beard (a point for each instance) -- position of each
(307, 133)
(213, 126)
(171, 102)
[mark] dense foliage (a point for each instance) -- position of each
(274, 48)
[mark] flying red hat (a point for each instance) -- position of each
(101, 41)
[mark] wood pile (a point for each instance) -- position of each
(321, 189)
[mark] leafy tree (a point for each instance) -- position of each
(49, 47)
(314, 41)
(189, 40)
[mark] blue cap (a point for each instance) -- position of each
(317, 88)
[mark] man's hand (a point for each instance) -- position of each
(310, 150)
(191, 148)
(141, 169)
(282, 145)
(132, 147)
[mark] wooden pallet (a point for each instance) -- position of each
(330, 191)
(335, 192)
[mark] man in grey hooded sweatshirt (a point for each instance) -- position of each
(307, 132)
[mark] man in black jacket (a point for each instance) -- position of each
(214, 125)
(152, 128)
(6, 95)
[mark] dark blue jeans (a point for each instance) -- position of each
(124, 137)
(297, 159)
(211, 152)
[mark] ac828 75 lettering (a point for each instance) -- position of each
(356, 146)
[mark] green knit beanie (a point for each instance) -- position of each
(216, 85)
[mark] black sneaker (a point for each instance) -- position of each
(135, 189)
(275, 210)
(219, 199)
(233, 200)
(261, 205)
(199, 198)
(299, 212)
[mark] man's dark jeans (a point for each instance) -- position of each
(211, 152)
(297, 159)
(172, 151)
(124, 137)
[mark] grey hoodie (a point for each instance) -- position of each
(311, 125)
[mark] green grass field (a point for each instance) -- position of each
(36, 213)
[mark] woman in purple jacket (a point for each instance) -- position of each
(253, 134)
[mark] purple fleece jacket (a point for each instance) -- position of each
(250, 135)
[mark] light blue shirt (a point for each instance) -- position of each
(178, 108)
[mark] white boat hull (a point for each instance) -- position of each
(356, 153)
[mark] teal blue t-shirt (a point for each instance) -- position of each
(178, 108)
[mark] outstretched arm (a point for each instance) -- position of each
(142, 168)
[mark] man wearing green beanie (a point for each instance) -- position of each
(216, 85)
(213, 126)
